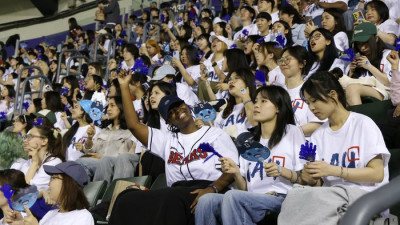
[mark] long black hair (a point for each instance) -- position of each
(53, 101)
(339, 20)
(301, 55)
(121, 117)
(235, 59)
(97, 80)
(376, 47)
(320, 84)
(289, 35)
(247, 76)
(381, 9)
(153, 118)
(330, 53)
(281, 100)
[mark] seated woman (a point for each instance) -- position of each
(51, 101)
(324, 52)
(271, 177)
(371, 64)
(294, 63)
(237, 116)
(187, 172)
(268, 55)
(350, 151)
(66, 190)
(43, 144)
(108, 155)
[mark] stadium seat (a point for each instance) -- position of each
(160, 182)
(375, 110)
(94, 191)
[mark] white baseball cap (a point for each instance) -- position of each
(164, 71)
(221, 38)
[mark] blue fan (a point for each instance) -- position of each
(348, 55)
(25, 197)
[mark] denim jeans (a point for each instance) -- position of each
(109, 168)
(236, 207)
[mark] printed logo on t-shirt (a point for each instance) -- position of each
(297, 104)
(80, 140)
(240, 118)
(176, 158)
(382, 67)
(348, 158)
(259, 167)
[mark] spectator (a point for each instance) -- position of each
(112, 13)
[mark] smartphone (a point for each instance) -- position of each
(175, 54)
(308, 19)
(358, 16)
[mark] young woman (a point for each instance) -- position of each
(358, 162)
(152, 50)
(237, 117)
(184, 138)
(220, 29)
(108, 155)
(189, 67)
(377, 13)
(7, 99)
(52, 101)
(295, 62)
(94, 87)
(323, 52)
(268, 55)
(228, 8)
(22, 124)
(333, 21)
(77, 135)
(95, 69)
(271, 177)
(371, 64)
(291, 16)
(44, 147)
(72, 84)
(248, 50)
(204, 45)
(130, 53)
(66, 190)
(35, 107)
(212, 66)
(281, 27)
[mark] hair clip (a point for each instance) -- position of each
(308, 151)
(38, 122)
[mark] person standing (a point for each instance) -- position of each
(112, 13)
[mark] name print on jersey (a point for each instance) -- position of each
(176, 158)
(80, 140)
(231, 119)
(349, 157)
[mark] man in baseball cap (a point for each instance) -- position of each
(167, 103)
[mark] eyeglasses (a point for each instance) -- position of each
(284, 60)
(316, 36)
(28, 137)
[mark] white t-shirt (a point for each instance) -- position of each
(124, 66)
(285, 154)
(276, 77)
(236, 123)
(183, 158)
(302, 113)
(385, 66)
(389, 26)
(41, 179)
(140, 146)
(275, 16)
(341, 41)
(352, 146)
(314, 10)
(22, 165)
(80, 136)
(336, 63)
(185, 92)
(212, 76)
(194, 72)
(252, 29)
(76, 217)
(138, 108)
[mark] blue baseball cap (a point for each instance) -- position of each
(71, 169)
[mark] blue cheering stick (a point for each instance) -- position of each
(206, 147)
(397, 42)
(26, 106)
(308, 151)
(8, 193)
(281, 41)
(348, 55)
(260, 78)
(64, 91)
